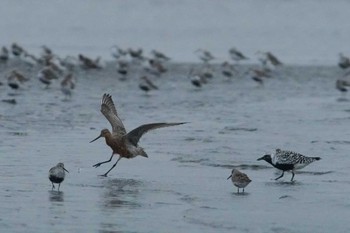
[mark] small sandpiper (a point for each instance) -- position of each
(57, 174)
(288, 161)
(239, 179)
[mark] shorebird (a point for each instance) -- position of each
(67, 85)
(236, 55)
(344, 62)
(17, 50)
(136, 55)
(258, 75)
(146, 84)
(122, 143)
(159, 55)
(122, 69)
(4, 54)
(88, 63)
(239, 179)
(273, 59)
(342, 85)
(196, 79)
(204, 55)
(15, 79)
(47, 53)
(288, 161)
(47, 74)
(118, 52)
(57, 174)
(228, 70)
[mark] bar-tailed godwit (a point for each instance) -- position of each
(122, 143)
(288, 161)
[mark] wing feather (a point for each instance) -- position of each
(109, 111)
(134, 135)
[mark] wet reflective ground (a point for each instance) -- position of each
(182, 186)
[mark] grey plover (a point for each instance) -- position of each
(288, 161)
(239, 179)
(122, 143)
(57, 174)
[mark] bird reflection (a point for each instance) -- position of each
(121, 193)
(56, 196)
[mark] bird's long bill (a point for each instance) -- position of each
(229, 177)
(260, 158)
(96, 138)
(65, 170)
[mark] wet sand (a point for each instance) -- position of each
(182, 186)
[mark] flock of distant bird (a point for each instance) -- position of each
(52, 67)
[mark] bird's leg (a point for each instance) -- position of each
(237, 190)
(105, 175)
(59, 185)
(280, 176)
(53, 186)
(98, 164)
(292, 176)
(243, 189)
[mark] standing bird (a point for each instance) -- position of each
(4, 54)
(147, 85)
(228, 70)
(122, 143)
(204, 55)
(17, 50)
(342, 85)
(15, 79)
(239, 179)
(67, 85)
(159, 55)
(237, 55)
(344, 62)
(46, 74)
(288, 161)
(273, 59)
(57, 174)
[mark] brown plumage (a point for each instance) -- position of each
(123, 143)
(239, 179)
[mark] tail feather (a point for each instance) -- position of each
(316, 158)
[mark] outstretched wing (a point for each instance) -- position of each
(109, 111)
(134, 135)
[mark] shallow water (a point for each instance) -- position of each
(182, 186)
